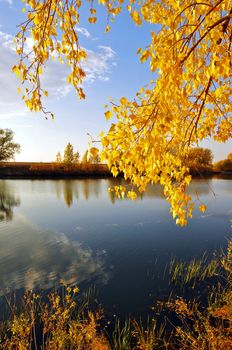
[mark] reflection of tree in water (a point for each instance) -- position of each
(69, 189)
(7, 201)
(69, 192)
(94, 188)
(199, 187)
(86, 189)
(58, 189)
(91, 188)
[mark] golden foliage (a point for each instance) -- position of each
(189, 101)
(224, 165)
(58, 328)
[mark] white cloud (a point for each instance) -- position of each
(98, 64)
(83, 31)
(98, 67)
(108, 51)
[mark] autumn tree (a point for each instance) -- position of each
(58, 158)
(8, 147)
(68, 154)
(224, 165)
(85, 158)
(76, 157)
(188, 101)
(199, 158)
(96, 159)
(91, 156)
(92, 159)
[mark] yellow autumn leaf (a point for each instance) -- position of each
(107, 29)
(16, 70)
(132, 195)
(92, 20)
(202, 208)
(136, 17)
(123, 101)
(108, 115)
(93, 151)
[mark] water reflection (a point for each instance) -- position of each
(31, 258)
(114, 245)
(7, 201)
(67, 190)
(71, 190)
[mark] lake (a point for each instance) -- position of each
(79, 232)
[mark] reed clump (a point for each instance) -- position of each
(205, 327)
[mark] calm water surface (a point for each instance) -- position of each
(76, 230)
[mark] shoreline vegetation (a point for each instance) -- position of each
(37, 170)
(52, 170)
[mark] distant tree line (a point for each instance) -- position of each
(198, 160)
(71, 157)
(224, 165)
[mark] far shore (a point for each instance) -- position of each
(40, 170)
(36, 170)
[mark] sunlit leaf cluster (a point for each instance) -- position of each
(49, 32)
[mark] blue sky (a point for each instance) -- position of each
(113, 70)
